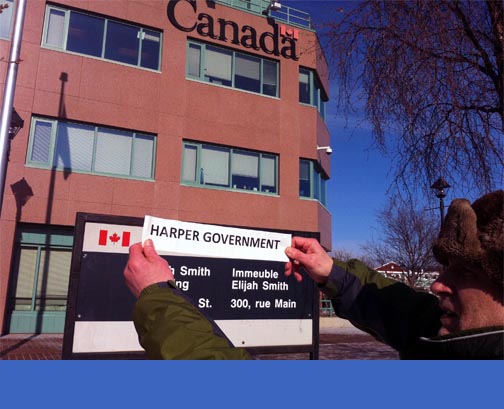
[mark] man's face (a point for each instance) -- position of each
(469, 300)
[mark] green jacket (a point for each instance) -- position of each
(403, 318)
(169, 326)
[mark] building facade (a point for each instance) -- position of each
(198, 111)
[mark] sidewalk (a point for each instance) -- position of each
(335, 344)
(31, 346)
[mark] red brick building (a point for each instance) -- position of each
(198, 111)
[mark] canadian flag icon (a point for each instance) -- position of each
(114, 238)
(289, 32)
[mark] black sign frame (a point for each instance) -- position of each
(75, 279)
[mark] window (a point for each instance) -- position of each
(6, 18)
(214, 166)
(305, 178)
(245, 170)
(312, 181)
(218, 66)
(85, 33)
(90, 149)
(311, 91)
(304, 86)
(248, 73)
(41, 269)
(230, 68)
(101, 37)
(229, 168)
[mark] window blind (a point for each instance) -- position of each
(189, 164)
(41, 142)
(54, 273)
(245, 164)
(194, 58)
(218, 63)
(215, 166)
(248, 67)
(113, 151)
(26, 273)
(143, 156)
(55, 28)
(74, 146)
(268, 171)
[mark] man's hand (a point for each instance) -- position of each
(145, 267)
(309, 254)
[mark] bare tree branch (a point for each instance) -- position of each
(430, 76)
(408, 235)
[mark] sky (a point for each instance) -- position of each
(359, 174)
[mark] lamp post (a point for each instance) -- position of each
(8, 96)
(440, 187)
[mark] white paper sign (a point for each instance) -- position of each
(173, 237)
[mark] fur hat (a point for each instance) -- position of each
(475, 235)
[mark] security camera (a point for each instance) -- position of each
(327, 149)
(272, 6)
(275, 5)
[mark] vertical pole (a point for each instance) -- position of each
(8, 97)
(441, 208)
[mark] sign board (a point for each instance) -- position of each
(235, 275)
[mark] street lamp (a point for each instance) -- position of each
(440, 186)
(16, 124)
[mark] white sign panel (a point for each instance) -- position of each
(172, 237)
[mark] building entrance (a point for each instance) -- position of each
(39, 280)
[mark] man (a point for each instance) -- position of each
(467, 321)
(169, 326)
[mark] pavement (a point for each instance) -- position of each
(335, 344)
(343, 344)
(31, 346)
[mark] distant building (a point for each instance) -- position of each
(395, 271)
(391, 270)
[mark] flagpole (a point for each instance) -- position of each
(9, 90)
